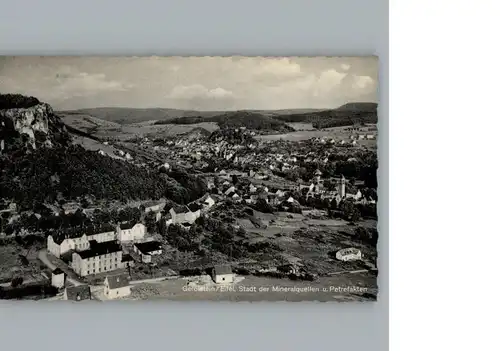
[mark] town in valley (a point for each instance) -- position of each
(124, 203)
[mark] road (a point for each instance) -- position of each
(42, 256)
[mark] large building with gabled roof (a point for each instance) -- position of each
(99, 258)
(78, 239)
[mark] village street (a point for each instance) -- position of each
(42, 256)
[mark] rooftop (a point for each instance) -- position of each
(224, 269)
(79, 232)
(180, 209)
(117, 281)
(127, 225)
(57, 271)
(149, 246)
(99, 249)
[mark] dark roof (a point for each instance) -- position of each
(127, 258)
(78, 232)
(180, 209)
(99, 249)
(224, 269)
(78, 293)
(205, 197)
(194, 206)
(127, 225)
(57, 271)
(149, 246)
(117, 281)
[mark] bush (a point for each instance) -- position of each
(82, 173)
(17, 281)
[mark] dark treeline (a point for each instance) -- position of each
(237, 119)
(73, 172)
(8, 101)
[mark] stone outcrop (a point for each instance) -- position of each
(32, 127)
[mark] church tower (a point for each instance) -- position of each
(341, 188)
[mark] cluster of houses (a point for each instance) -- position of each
(115, 287)
(99, 249)
(118, 285)
(251, 193)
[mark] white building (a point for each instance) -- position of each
(130, 231)
(349, 254)
(182, 214)
(79, 239)
(207, 202)
(116, 286)
(341, 187)
(280, 193)
(223, 274)
(58, 278)
(147, 249)
(99, 258)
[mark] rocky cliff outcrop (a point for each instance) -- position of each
(30, 127)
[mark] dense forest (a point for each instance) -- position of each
(73, 172)
(237, 119)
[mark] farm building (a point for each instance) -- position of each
(58, 278)
(222, 274)
(116, 286)
(349, 254)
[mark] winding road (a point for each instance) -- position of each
(42, 256)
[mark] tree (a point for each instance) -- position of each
(150, 222)
(329, 184)
(17, 281)
(234, 179)
(262, 206)
(349, 210)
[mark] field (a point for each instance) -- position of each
(301, 126)
(105, 129)
(310, 242)
(16, 261)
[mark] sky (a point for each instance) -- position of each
(193, 83)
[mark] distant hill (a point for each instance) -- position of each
(345, 115)
(362, 112)
(123, 115)
(237, 119)
(136, 115)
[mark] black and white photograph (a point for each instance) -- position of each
(188, 178)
